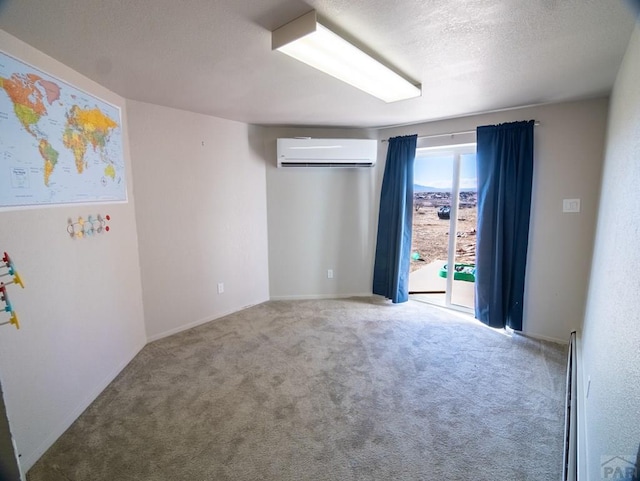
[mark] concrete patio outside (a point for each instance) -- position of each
(427, 280)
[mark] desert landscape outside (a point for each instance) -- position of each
(430, 239)
(435, 173)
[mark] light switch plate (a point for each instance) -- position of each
(571, 205)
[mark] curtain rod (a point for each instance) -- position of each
(451, 134)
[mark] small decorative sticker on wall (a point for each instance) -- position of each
(88, 227)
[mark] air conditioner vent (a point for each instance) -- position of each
(327, 153)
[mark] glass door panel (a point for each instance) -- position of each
(444, 229)
(462, 289)
(431, 224)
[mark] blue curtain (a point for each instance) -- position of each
(393, 249)
(505, 173)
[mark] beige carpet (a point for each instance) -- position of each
(355, 389)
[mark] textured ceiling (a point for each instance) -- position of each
(214, 56)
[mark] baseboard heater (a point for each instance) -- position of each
(569, 462)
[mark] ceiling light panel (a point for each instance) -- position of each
(313, 44)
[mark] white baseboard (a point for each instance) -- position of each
(313, 297)
(199, 322)
(26, 462)
(545, 338)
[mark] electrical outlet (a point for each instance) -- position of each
(330, 274)
(220, 287)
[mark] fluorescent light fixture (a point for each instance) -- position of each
(310, 42)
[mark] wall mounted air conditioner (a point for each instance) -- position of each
(306, 152)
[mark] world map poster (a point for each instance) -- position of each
(58, 144)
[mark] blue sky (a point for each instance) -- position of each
(437, 171)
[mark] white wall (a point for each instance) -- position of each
(201, 213)
(81, 311)
(568, 153)
(611, 333)
(319, 219)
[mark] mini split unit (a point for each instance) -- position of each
(307, 152)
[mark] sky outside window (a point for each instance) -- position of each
(437, 171)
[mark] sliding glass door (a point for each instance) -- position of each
(444, 225)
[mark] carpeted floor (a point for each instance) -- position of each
(354, 389)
